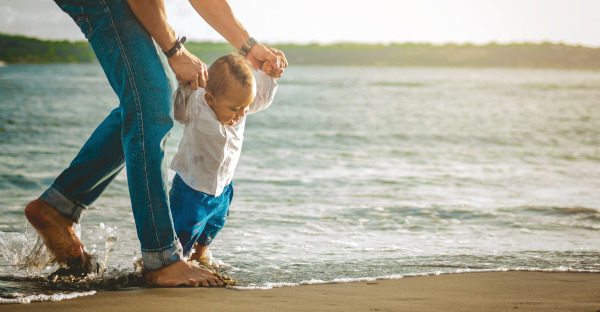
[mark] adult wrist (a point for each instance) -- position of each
(245, 49)
(177, 47)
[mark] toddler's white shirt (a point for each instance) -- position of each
(209, 150)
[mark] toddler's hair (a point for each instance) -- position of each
(225, 70)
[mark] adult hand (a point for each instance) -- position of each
(189, 70)
(259, 54)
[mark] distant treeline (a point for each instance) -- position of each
(17, 49)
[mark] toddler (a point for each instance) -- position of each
(214, 120)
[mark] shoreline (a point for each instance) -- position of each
(479, 291)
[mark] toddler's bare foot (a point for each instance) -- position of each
(182, 273)
(198, 252)
(58, 234)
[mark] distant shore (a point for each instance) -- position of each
(24, 50)
(489, 291)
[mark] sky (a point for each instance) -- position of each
(575, 22)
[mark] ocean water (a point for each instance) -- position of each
(353, 173)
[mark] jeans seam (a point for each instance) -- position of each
(134, 87)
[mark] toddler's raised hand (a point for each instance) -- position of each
(268, 68)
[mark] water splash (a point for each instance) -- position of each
(31, 262)
(25, 250)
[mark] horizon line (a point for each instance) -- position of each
(384, 43)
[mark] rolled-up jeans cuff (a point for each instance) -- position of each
(154, 260)
(63, 204)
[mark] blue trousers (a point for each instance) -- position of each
(198, 216)
(133, 135)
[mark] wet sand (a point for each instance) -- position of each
(489, 291)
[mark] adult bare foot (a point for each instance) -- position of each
(182, 273)
(58, 234)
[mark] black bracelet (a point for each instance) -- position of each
(178, 45)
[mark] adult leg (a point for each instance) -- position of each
(131, 63)
(53, 215)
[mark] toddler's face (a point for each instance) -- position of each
(233, 104)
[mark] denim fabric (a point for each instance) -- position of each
(134, 134)
(198, 216)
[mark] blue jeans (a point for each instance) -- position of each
(198, 217)
(134, 135)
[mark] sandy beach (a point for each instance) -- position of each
(489, 291)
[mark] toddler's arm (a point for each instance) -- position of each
(265, 91)
(182, 99)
